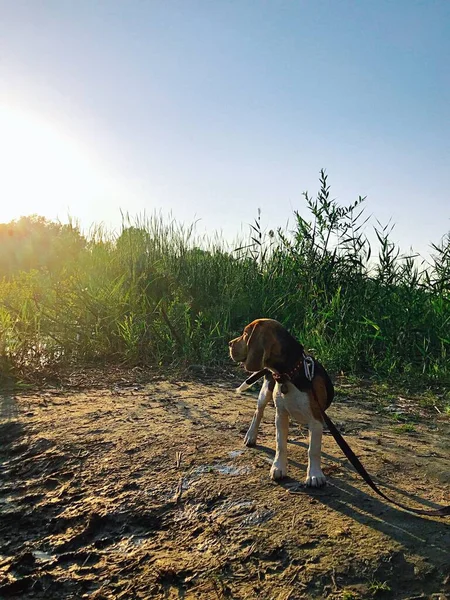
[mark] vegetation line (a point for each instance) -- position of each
(156, 294)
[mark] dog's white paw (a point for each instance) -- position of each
(244, 386)
(278, 470)
(315, 479)
(250, 438)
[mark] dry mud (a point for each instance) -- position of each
(144, 490)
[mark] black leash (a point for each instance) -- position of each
(443, 511)
(308, 365)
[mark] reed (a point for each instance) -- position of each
(157, 294)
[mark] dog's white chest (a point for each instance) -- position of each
(295, 402)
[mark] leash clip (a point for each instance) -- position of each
(308, 363)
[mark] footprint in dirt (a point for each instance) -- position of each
(105, 530)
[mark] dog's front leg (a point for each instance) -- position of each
(264, 396)
(314, 475)
(279, 466)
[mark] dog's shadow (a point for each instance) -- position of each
(429, 537)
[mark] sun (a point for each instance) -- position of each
(44, 169)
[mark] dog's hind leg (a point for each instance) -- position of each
(265, 395)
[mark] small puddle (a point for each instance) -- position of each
(138, 540)
(42, 556)
(189, 513)
(232, 470)
(192, 478)
(5, 469)
(221, 468)
(235, 453)
(8, 506)
(125, 545)
(257, 518)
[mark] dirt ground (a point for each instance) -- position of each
(141, 487)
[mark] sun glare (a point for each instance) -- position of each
(43, 170)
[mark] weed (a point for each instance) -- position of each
(375, 587)
(404, 428)
(157, 294)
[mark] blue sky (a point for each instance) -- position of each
(211, 109)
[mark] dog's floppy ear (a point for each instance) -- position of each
(259, 345)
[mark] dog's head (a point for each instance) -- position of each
(263, 343)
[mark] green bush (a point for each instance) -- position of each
(155, 294)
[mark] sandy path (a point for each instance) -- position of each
(145, 491)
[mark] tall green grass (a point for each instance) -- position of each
(156, 294)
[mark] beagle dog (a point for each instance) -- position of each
(266, 345)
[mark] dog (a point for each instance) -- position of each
(266, 344)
